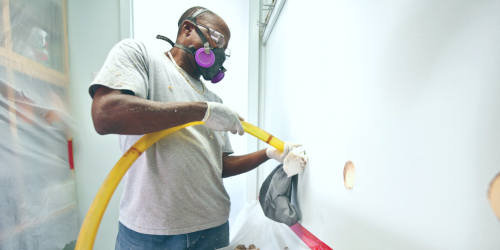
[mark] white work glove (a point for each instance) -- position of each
(293, 158)
(295, 162)
(273, 153)
(220, 117)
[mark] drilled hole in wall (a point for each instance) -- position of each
(349, 175)
(494, 195)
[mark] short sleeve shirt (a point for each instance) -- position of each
(176, 186)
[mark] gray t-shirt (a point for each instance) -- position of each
(175, 187)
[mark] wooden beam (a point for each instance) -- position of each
(26, 66)
(6, 25)
(66, 51)
(12, 107)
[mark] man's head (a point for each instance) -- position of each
(204, 38)
(187, 34)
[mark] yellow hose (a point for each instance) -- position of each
(91, 223)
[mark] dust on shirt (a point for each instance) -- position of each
(176, 186)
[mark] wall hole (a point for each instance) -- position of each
(349, 175)
(494, 195)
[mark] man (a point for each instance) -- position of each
(173, 197)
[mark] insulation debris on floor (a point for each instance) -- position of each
(253, 229)
(243, 247)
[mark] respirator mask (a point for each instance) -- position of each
(208, 60)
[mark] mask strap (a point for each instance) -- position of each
(164, 38)
(190, 49)
(202, 36)
(196, 14)
(192, 19)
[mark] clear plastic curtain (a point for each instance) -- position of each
(38, 208)
(253, 227)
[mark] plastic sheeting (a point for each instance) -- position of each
(38, 208)
(253, 227)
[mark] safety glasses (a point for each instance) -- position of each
(219, 39)
(216, 36)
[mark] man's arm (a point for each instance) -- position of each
(235, 165)
(119, 112)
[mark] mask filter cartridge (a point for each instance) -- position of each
(217, 78)
(203, 59)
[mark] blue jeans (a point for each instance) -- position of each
(208, 239)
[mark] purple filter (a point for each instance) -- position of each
(203, 59)
(217, 78)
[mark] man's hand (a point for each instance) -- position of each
(220, 117)
(273, 153)
(293, 158)
(295, 162)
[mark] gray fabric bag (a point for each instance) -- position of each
(275, 197)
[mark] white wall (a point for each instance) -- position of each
(153, 17)
(410, 92)
(93, 29)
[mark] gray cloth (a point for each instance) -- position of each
(175, 187)
(275, 197)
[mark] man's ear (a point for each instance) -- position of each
(187, 28)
